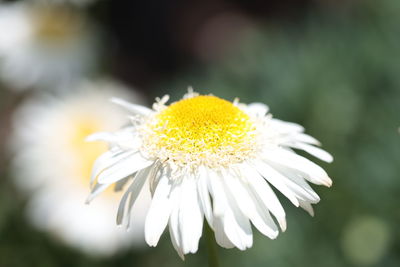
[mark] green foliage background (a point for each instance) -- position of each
(336, 73)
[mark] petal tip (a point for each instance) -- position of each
(328, 182)
(88, 200)
(282, 224)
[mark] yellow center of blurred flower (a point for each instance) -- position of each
(86, 152)
(202, 129)
(56, 25)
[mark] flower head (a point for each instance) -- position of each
(44, 45)
(79, 3)
(52, 165)
(207, 157)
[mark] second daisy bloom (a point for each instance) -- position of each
(45, 46)
(52, 165)
(206, 157)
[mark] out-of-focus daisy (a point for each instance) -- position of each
(80, 3)
(206, 157)
(53, 163)
(44, 45)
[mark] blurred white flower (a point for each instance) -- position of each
(206, 157)
(53, 162)
(44, 45)
(80, 3)
(365, 240)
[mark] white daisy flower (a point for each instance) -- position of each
(80, 3)
(206, 157)
(44, 45)
(53, 161)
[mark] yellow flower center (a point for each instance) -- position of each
(87, 152)
(204, 130)
(56, 25)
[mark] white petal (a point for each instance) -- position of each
(153, 182)
(220, 236)
(123, 168)
(122, 205)
(315, 151)
(107, 160)
(305, 138)
(218, 224)
(97, 189)
(101, 136)
(248, 206)
(204, 196)
(133, 191)
(311, 171)
(126, 138)
(121, 184)
(264, 222)
(276, 179)
(174, 233)
(159, 212)
(136, 109)
(190, 216)
(235, 225)
(307, 206)
(174, 220)
(258, 109)
(265, 193)
(241, 196)
(148, 174)
(284, 126)
(297, 184)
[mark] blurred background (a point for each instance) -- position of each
(332, 66)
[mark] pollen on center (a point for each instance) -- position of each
(203, 124)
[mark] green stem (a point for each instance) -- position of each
(211, 247)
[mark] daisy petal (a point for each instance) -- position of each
(258, 109)
(174, 221)
(121, 184)
(265, 193)
(315, 151)
(220, 236)
(249, 206)
(312, 172)
(204, 196)
(123, 168)
(305, 138)
(147, 174)
(136, 109)
(159, 212)
(122, 205)
(101, 136)
(286, 126)
(97, 189)
(242, 198)
(307, 206)
(298, 185)
(133, 191)
(174, 233)
(265, 224)
(107, 160)
(276, 179)
(190, 216)
(235, 225)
